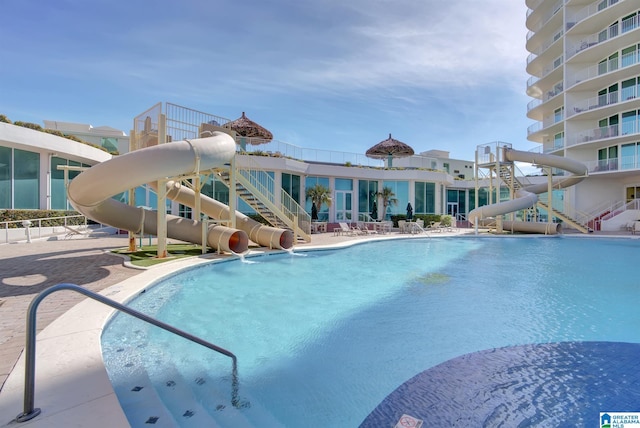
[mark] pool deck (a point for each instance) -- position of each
(29, 268)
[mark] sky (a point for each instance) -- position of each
(323, 74)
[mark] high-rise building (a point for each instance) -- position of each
(585, 81)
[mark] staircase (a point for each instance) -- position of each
(565, 218)
(505, 175)
(256, 188)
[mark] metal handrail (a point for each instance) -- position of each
(29, 412)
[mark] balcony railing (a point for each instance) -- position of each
(609, 66)
(546, 71)
(548, 121)
(281, 149)
(604, 100)
(557, 89)
(592, 9)
(546, 18)
(594, 134)
(546, 45)
(623, 163)
(628, 24)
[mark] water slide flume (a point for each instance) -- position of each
(528, 196)
(266, 236)
(90, 192)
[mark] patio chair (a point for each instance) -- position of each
(435, 226)
(345, 230)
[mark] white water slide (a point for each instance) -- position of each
(527, 197)
(91, 194)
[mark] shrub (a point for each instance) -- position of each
(19, 215)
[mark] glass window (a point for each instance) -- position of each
(629, 122)
(26, 179)
(401, 191)
(425, 202)
(628, 158)
(58, 190)
(628, 89)
(291, 185)
(344, 184)
(367, 191)
(558, 140)
(110, 144)
(310, 182)
(5, 177)
(629, 56)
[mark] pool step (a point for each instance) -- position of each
(141, 402)
(178, 397)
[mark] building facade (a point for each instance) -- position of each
(33, 164)
(584, 64)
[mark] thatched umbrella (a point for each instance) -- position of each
(388, 149)
(247, 128)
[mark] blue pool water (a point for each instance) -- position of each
(322, 340)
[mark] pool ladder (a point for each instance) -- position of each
(30, 412)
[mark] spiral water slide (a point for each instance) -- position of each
(527, 197)
(91, 191)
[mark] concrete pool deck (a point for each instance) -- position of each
(72, 387)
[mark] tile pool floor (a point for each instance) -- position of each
(70, 386)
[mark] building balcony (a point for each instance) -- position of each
(586, 12)
(603, 68)
(627, 128)
(547, 122)
(612, 98)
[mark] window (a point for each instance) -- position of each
(558, 140)
(630, 22)
(401, 190)
(558, 114)
(367, 191)
(630, 122)
(629, 56)
(291, 185)
(608, 159)
(310, 182)
(26, 179)
(629, 89)
(425, 202)
(628, 158)
(5, 177)
(110, 144)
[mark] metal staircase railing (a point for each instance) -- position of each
(506, 176)
(30, 412)
(565, 218)
(257, 188)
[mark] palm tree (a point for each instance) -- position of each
(319, 195)
(388, 198)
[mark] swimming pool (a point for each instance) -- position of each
(322, 340)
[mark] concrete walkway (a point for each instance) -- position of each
(28, 268)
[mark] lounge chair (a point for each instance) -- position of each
(344, 230)
(435, 226)
(636, 227)
(362, 228)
